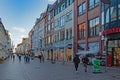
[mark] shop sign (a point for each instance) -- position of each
(96, 65)
(110, 31)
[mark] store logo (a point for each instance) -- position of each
(111, 31)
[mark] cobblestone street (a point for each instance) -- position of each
(47, 71)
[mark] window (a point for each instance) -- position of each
(48, 28)
(102, 19)
(57, 22)
(58, 1)
(45, 29)
(68, 2)
(119, 11)
(69, 16)
(67, 34)
(94, 27)
(52, 25)
(49, 40)
(62, 6)
(107, 15)
(55, 37)
(62, 35)
(93, 3)
(62, 21)
(48, 16)
(55, 11)
(70, 33)
(118, 14)
(81, 31)
(113, 13)
(71, 1)
(82, 8)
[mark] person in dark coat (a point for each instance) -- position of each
(76, 61)
(85, 62)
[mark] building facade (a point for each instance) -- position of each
(35, 38)
(5, 42)
(87, 26)
(63, 29)
(48, 32)
(110, 25)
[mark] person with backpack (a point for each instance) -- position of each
(76, 61)
(85, 62)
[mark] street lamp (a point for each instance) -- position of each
(105, 37)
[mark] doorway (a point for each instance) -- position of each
(117, 56)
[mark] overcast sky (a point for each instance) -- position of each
(19, 16)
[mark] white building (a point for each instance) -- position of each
(5, 42)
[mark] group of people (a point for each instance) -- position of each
(26, 58)
(76, 61)
(12, 56)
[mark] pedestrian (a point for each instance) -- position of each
(13, 57)
(25, 58)
(85, 62)
(76, 61)
(19, 56)
(40, 58)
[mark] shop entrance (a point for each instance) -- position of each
(117, 56)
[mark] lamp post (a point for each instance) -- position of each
(105, 37)
(64, 47)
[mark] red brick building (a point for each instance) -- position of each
(87, 26)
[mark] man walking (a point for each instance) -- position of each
(85, 62)
(76, 61)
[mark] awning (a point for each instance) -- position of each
(87, 52)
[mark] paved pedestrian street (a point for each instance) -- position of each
(35, 70)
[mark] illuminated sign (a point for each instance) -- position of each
(111, 31)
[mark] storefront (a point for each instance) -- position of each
(110, 28)
(116, 56)
(69, 55)
(113, 52)
(56, 52)
(62, 55)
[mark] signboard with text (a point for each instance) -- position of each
(96, 65)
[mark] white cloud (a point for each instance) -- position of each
(22, 30)
(51, 0)
(22, 36)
